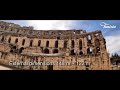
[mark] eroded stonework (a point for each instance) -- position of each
(57, 49)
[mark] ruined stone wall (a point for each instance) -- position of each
(18, 43)
(67, 63)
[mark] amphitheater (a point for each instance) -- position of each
(28, 49)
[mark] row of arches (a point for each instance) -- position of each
(89, 51)
(47, 43)
(14, 49)
(72, 52)
(46, 50)
(31, 42)
(97, 43)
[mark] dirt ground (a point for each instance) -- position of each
(4, 68)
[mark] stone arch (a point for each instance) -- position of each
(6, 27)
(74, 32)
(80, 44)
(96, 34)
(46, 51)
(58, 37)
(2, 26)
(56, 44)
(89, 50)
(81, 53)
(16, 40)
(2, 39)
(97, 49)
(17, 30)
(97, 42)
(31, 43)
(50, 67)
(72, 52)
(9, 40)
(21, 49)
(11, 29)
(39, 42)
(47, 43)
(55, 50)
(81, 32)
(72, 44)
(13, 49)
(89, 37)
(65, 44)
(23, 42)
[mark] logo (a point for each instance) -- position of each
(105, 25)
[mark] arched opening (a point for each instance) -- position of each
(81, 32)
(89, 37)
(74, 32)
(91, 50)
(97, 42)
(72, 52)
(88, 50)
(96, 34)
(89, 41)
(16, 40)
(9, 40)
(2, 26)
(58, 37)
(55, 51)
(31, 43)
(2, 39)
(6, 27)
(21, 49)
(56, 44)
(17, 30)
(46, 51)
(97, 49)
(13, 49)
(23, 42)
(65, 44)
(80, 44)
(81, 53)
(41, 48)
(11, 29)
(39, 42)
(50, 67)
(72, 44)
(47, 44)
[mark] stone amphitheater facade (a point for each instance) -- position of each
(52, 49)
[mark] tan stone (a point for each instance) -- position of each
(76, 51)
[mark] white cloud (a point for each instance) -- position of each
(113, 43)
(52, 24)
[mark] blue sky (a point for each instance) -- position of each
(112, 35)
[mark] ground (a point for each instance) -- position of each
(4, 68)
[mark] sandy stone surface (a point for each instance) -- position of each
(4, 68)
